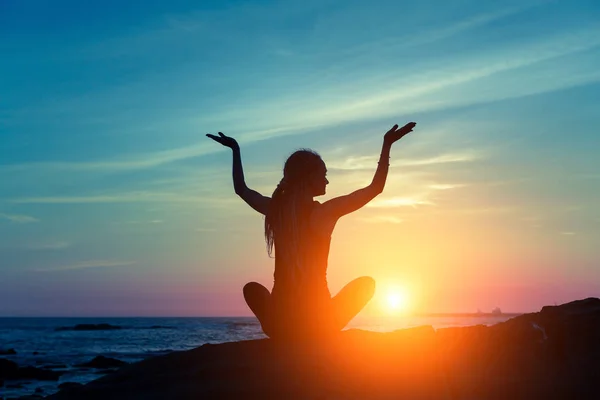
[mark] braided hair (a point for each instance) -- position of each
(286, 211)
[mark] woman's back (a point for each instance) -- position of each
(301, 257)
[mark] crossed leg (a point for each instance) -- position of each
(351, 299)
(344, 306)
(259, 300)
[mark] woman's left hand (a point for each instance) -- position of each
(396, 133)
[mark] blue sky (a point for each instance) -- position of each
(113, 202)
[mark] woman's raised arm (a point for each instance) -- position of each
(335, 208)
(254, 199)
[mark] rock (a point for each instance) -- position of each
(69, 385)
(55, 366)
(102, 362)
(38, 390)
(7, 368)
(105, 371)
(37, 374)
(7, 352)
(89, 327)
(552, 354)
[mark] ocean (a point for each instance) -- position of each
(39, 342)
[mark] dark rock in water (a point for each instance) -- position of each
(89, 327)
(37, 374)
(105, 371)
(55, 366)
(552, 354)
(7, 352)
(8, 368)
(103, 362)
(69, 385)
(38, 390)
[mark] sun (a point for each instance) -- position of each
(396, 300)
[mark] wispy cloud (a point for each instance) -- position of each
(429, 35)
(139, 161)
(461, 157)
(368, 161)
(446, 186)
(399, 202)
(480, 210)
(310, 110)
(148, 222)
(506, 182)
(383, 218)
(470, 23)
(89, 264)
(590, 176)
(418, 87)
(205, 230)
(157, 158)
(568, 233)
(131, 197)
(56, 245)
(18, 218)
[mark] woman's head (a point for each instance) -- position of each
(304, 176)
(304, 171)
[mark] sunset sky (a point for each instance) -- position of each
(114, 203)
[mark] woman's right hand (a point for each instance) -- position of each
(225, 140)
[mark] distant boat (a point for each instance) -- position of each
(497, 311)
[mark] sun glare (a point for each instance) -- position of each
(396, 300)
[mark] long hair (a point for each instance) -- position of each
(286, 211)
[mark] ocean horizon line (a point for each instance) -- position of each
(399, 315)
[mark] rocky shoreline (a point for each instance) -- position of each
(13, 376)
(551, 354)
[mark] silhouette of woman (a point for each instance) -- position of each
(299, 230)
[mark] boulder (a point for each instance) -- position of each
(54, 366)
(38, 374)
(7, 368)
(102, 362)
(89, 327)
(69, 385)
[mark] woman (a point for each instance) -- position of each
(299, 230)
